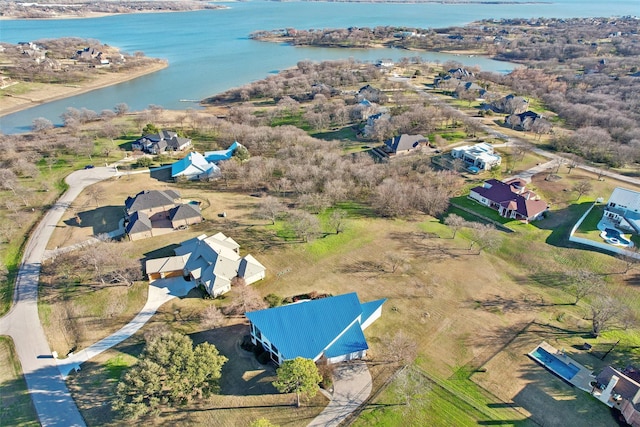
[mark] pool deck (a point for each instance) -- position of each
(582, 379)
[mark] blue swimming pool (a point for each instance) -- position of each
(555, 365)
(615, 234)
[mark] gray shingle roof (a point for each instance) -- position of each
(148, 199)
(138, 223)
(184, 211)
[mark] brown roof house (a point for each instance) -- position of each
(212, 262)
(621, 390)
(150, 211)
(511, 199)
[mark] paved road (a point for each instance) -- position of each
(49, 392)
(351, 387)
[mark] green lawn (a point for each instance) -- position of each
(16, 408)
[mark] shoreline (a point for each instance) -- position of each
(41, 96)
(92, 15)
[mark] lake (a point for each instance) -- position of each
(210, 51)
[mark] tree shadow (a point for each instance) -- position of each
(242, 374)
(560, 222)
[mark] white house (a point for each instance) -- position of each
(479, 155)
(212, 262)
(623, 209)
(328, 327)
(194, 166)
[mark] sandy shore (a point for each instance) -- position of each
(52, 92)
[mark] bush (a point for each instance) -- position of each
(273, 300)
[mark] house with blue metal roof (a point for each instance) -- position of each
(221, 155)
(328, 327)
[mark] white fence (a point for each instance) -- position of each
(603, 246)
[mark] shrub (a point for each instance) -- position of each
(273, 300)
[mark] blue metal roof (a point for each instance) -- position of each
(218, 156)
(306, 329)
(368, 308)
(351, 341)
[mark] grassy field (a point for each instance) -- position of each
(460, 322)
(16, 408)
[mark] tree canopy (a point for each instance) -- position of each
(299, 376)
(169, 371)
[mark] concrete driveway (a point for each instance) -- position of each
(160, 291)
(351, 388)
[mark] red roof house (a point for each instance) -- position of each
(511, 199)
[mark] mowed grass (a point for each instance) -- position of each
(16, 407)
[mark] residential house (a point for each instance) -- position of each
(511, 199)
(623, 209)
(151, 210)
(157, 143)
(155, 204)
(194, 166)
(138, 226)
(404, 143)
(328, 327)
(371, 121)
(621, 390)
(212, 262)
(523, 121)
(479, 155)
(510, 104)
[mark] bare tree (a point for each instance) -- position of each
(270, 208)
(9, 180)
(395, 260)
(400, 349)
(454, 222)
(582, 187)
(304, 225)
(211, 317)
(630, 259)
(582, 283)
(40, 124)
(337, 220)
(484, 236)
(605, 310)
(96, 194)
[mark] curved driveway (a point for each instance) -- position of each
(49, 392)
(351, 388)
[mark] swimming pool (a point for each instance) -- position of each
(613, 236)
(555, 365)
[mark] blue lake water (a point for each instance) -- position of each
(209, 51)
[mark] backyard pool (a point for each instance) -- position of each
(614, 237)
(554, 364)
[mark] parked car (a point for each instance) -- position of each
(89, 167)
